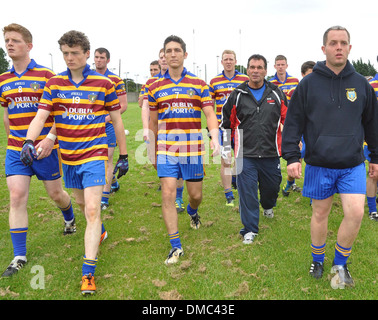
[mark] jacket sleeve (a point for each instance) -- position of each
(370, 123)
(293, 128)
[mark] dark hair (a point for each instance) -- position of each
(175, 39)
(258, 57)
(75, 38)
(325, 36)
(102, 50)
(306, 66)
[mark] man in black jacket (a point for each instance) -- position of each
(252, 116)
(335, 109)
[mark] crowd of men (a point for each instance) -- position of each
(74, 118)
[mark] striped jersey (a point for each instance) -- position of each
(148, 84)
(119, 84)
(20, 94)
(179, 105)
(79, 111)
(221, 87)
(374, 84)
(289, 84)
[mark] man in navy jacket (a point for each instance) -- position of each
(336, 110)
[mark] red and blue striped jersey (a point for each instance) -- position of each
(79, 111)
(20, 94)
(290, 83)
(374, 84)
(119, 84)
(221, 87)
(179, 105)
(148, 84)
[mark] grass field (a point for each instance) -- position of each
(216, 264)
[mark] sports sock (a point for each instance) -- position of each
(289, 184)
(191, 211)
(228, 192)
(68, 213)
(102, 228)
(372, 204)
(89, 266)
(18, 236)
(105, 197)
(318, 253)
(341, 254)
(174, 239)
(179, 192)
(115, 183)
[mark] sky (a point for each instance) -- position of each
(134, 31)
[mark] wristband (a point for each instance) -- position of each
(51, 136)
(123, 156)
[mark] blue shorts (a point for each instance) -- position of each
(366, 153)
(85, 175)
(187, 168)
(321, 183)
(110, 133)
(46, 169)
(303, 151)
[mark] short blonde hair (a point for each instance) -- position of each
(229, 52)
(25, 33)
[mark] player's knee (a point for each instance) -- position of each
(18, 197)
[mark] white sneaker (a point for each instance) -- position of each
(174, 256)
(249, 237)
(268, 213)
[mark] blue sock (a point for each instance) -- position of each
(341, 255)
(102, 228)
(105, 197)
(318, 253)
(175, 241)
(372, 204)
(179, 192)
(115, 182)
(18, 237)
(289, 184)
(228, 192)
(89, 266)
(68, 212)
(190, 210)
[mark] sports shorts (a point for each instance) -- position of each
(110, 133)
(85, 175)
(46, 169)
(187, 168)
(321, 183)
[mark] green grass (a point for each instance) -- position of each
(216, 264)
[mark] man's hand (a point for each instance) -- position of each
(294, 170)
(214, 145)
(122, 166)
(28, 152)
(373, 170)
(44, 148)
